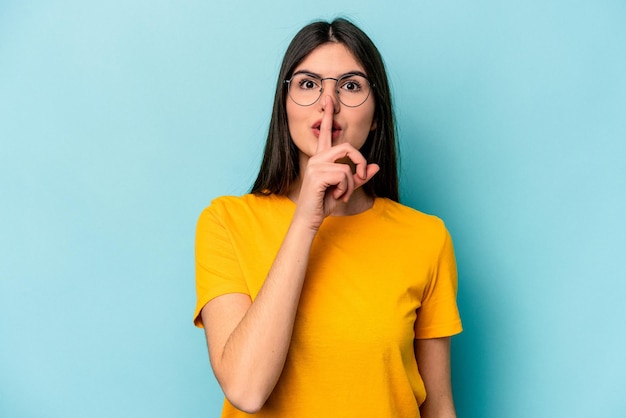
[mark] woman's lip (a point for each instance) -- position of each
(318, 124)
(335, 133)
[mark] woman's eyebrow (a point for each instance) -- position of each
(305, 71)
(356, 72)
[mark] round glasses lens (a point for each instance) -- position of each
(352, 90)
(305, 89)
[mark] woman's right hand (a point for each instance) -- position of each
(325, 182)
(249, 340)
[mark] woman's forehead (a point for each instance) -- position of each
(330, 59)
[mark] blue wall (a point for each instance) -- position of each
(120, 121)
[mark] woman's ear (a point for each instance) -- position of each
(374, 125)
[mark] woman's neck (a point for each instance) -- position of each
(358, 202)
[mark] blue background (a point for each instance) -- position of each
(121, 120)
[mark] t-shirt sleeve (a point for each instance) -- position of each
(438, 315)
(218, 271)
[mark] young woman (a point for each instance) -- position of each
(319, 293)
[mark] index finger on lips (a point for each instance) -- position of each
(325, 140)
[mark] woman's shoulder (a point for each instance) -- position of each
(401, 210)
(247, 203)
(414, 219)
(250, 199)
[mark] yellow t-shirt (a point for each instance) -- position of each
(375, 281)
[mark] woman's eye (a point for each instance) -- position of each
(351, 86)
(307, 84)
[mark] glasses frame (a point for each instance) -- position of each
(321, 80)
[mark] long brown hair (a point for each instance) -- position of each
(280, 167)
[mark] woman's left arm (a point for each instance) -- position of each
(433, 361)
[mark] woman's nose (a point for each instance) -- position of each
(332, 94)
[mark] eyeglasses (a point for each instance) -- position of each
(305, 89)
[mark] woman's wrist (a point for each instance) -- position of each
(302, 229)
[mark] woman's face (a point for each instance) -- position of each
(350, 124)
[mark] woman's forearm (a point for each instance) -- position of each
(249, 359)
